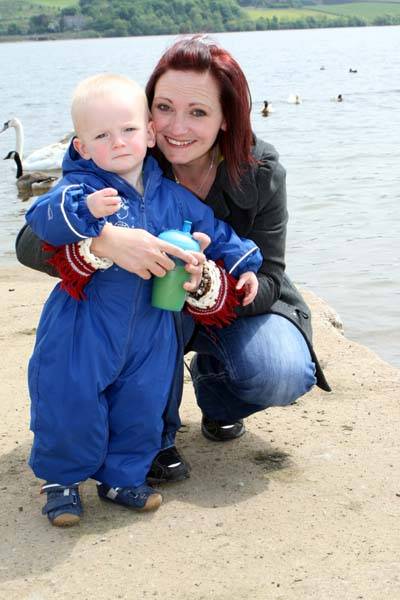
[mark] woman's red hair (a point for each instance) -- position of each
(198, 53)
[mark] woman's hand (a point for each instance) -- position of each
(196, 271)
(140, 252)
(250, 283)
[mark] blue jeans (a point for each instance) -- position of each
(255, 363)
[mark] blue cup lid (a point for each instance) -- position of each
(181, 237)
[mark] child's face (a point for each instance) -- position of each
(115, 133)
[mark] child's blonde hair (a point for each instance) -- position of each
(101, 85)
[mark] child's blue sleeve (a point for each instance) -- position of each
(225, 243)
(239, 254)
(61, 216)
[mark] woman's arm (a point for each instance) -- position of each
(30, 253)
(140, 252)
(135, 250)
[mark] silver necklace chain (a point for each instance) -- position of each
(203, 183)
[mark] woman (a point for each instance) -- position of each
(200, 103)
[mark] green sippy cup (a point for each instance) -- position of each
(168, 292)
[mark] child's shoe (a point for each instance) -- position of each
(141, 498)
(63, 507)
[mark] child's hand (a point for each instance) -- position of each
(103, 203)
(196, 271)
(250, 283)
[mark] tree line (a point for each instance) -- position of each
(115, 18)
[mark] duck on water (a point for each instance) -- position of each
(266, 109)
(30, 184)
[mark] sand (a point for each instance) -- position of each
(306, 505)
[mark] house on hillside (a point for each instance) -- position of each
(73, 22)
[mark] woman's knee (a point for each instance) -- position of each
(288, 379)
(276, 379)
(263, 361)
(277, 383)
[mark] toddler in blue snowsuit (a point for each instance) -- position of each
(102, 368)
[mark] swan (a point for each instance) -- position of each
(30, 184)
(267, 109)
(49, 158)
(294, 99)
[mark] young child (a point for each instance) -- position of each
(102, 368)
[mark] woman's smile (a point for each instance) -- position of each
(175, 142)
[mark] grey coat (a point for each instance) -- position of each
(257, 210)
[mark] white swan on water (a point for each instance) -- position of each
(294, 99)
(48, 159)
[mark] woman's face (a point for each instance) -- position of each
(187, 115)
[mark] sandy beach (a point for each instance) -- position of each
(305, 506)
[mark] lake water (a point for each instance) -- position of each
(342, 159)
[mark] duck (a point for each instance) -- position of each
(46, 159)
(339, 98)
(294, 99)
(352, 70)
(267, 109)
(30, 184)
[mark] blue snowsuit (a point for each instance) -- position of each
(102, 369)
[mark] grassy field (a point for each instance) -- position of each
(19, 8)
(366, 10)
(24, 8)
(55, 3)
(20, 11)
(287, 14)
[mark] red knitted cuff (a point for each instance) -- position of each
(73, 270)
(225, 299)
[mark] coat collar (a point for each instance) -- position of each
(224, 194)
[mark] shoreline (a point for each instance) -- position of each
(86, 35)
(306, 505)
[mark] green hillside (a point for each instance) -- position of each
(327, 15)
(119, 17)
(288, 14)
(102, 18)
(58, 4)
(20, 12)
(367, 10)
